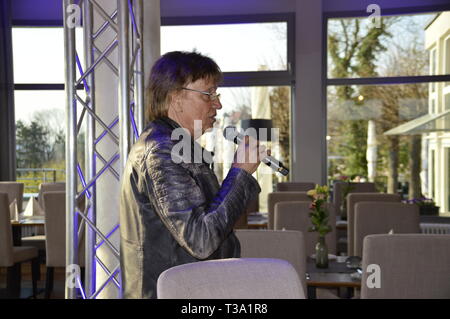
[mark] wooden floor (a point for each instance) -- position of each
(26, 287)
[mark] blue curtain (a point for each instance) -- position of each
(7, 120)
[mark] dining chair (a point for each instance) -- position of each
(14, 191)
(234, 278)
(295, 216)
(276, 197)
(295, 186)
(286, 245)
(49, 187)
(406, 266)
(354, 198)
(339, 190)
(55, 236)
(382, 218)
(252, 207)
(11, 256)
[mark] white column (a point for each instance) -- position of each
(424, 166)
(308, 117)
(371, 154)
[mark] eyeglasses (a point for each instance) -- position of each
(212, 96)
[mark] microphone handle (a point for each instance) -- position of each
(270, 161)
(275, 165)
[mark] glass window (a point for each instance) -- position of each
(40, 136)
(235, 47)
(38, 54)
(358, 117)
(240, 103)
(359, 48)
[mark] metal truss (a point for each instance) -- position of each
(127, 23)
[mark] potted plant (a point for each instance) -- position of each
(319, 218)
(427, 206)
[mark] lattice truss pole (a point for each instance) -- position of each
(81, 224)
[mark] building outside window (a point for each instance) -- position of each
(386, 104)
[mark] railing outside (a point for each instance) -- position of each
(33, 177)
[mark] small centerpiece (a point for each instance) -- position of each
(427, 206)
(319, 219)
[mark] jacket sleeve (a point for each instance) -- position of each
(197, 225)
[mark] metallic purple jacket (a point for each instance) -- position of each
(172, 214)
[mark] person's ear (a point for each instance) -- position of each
(175, 101)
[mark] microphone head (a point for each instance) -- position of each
(231, 133)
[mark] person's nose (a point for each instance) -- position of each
(216, 104)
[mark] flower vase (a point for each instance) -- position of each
(321, 253)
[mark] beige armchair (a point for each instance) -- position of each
(276, 197)
(295, 216)
(55, 236)
(410, 266)
(382, 218)
(49, 187)
(286, 245)
(354, 198)
(235, 278)
(14, 191)
(339, 189)
(11, 256)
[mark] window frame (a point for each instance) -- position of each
(254, 78)
(230, 79)
(249, 78)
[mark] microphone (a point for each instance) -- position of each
(230, 133)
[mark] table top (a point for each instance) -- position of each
(28, 222)
(257, 220)
(336, 275)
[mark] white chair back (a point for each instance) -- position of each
(235, 278)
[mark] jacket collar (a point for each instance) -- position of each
(196, 149)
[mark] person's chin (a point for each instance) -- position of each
(209, 124)
(208, 129)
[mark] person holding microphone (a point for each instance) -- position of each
(174, 212)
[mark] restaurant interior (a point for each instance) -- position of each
(355, 95)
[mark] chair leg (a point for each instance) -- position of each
(13, 278)
(49, 282)
(35, 274)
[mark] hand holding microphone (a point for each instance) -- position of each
(250, 148)
(249, 154)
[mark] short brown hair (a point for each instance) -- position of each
(171, 72)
